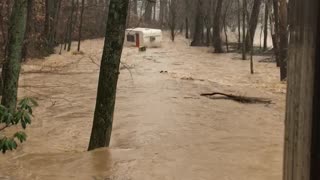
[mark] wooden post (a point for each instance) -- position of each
(302, 131)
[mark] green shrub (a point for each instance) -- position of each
(22, 116)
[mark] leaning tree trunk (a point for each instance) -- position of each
(217, 42)
(109, 72)
(283, 33)
(12, 64)
(253, 24)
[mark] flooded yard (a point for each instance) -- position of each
(163, 128)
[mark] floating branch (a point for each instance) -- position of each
(240, 99)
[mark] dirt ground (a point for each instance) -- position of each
(163, 128)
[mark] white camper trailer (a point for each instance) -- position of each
(143, 37)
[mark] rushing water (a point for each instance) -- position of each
(163, 128)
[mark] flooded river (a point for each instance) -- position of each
(163, 128)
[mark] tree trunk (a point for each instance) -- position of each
(109, 72)
(208, 35)
(244, 16)
(229, 3)
(154, 11)
(275, 36)
(163, 4)
(302, 127)
(104, 15)
(283, 33)
(70, 26)
(135, 7)
(239, 24)
(50, 16)
(148, 12)
(266, 18)
(29, 30)
(173, 18)
(56, 19)
(217, 42)
(198, 26)
(47, 17)
(12, 64)
(187, 28)
(80, 26)
(253, 23)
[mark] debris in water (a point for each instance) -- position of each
(240, 99)
(142, 49)
(162, 72)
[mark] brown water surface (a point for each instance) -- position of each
(163, 128)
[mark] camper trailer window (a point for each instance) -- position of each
(130, 38)
(152, 38)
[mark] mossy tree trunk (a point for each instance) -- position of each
(12, 63)
(109, 72)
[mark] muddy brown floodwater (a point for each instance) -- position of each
(163, 128)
